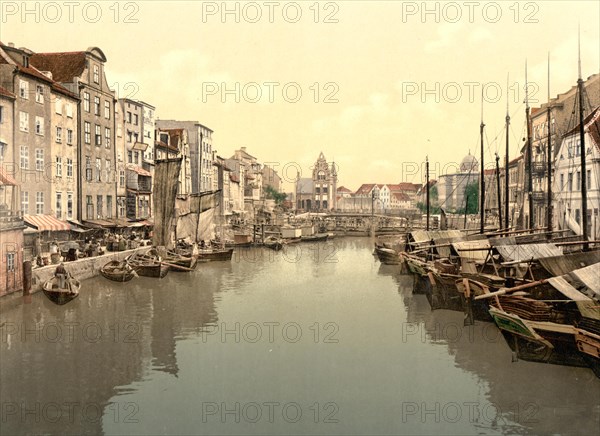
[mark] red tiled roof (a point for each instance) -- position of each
(64, 66)
(365, 188)
(401, 196)
(6, 93)
(343, 189)
(138, 170)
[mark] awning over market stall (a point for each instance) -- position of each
(46, 223)
(98, 224)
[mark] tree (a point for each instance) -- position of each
(472, 192)
(272, 194)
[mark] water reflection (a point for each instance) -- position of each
(324, 328)
(521, 397)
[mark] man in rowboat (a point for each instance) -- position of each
(61, 273)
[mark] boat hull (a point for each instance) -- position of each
(215, 256)
(110, 272)
(61, 296)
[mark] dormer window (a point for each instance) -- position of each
(96, 74)
(26, 61)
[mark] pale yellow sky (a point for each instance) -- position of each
(401, 82)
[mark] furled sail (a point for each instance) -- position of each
(166, 177)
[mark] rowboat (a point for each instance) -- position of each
(315, 238)
(118, 271)
(61, 295)
(215, 254)
(148, 265)
(273, 243)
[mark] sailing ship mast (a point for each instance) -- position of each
(529, 152)
(549, 157)
(506, 178)
(584, 218)
(427, 188)
(482, 182)
(499, 189)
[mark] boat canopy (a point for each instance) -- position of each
(523, 253)
(473, 250)
(563, 264)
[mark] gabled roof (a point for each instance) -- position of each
(63, 66)
(400, 196)
(365, 188)
(343, 189)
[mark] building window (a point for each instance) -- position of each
(88, 168)
(96, 105)
(24, 157)
(578, 181)
(109, 206)
(107, 110)
(570, 181)
(136, 157)
(121, 206)
(58, 166)
(107, 137)
(86, 101)
(99, 206)
(39, 203)
(59, 134)
(69, 137)
(3, 148)
(129, 156)
(69, 168)
(96, 74)
(39, 126)
(588, 181)
(1, 114)
(98, 169)
(39, 159)
(69, 110)
(122, 178)
(69, 205)
(135, 119)
(108, 167)
(59, 205)
(24, 89)
(23, 121)
(10, 262)
(39, 94)
(24, 201)
(129, 117)
(87, 128)
(97, 135)
(89, 207)
(578, 216)
(58, 106)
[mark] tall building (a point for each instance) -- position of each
(319, 192)
(201, 151)
(83, 74)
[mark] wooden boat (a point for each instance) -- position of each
(59, 295)
(315, 238)
(215, 254)
(388, 256)
(179, 262)
(118, 271)
(148, 265)
(273, 243)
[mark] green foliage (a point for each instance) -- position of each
(472, 191)
(272, 194)
(433, 210)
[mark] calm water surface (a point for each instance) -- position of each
(321, 339)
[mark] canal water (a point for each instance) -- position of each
(319, 339)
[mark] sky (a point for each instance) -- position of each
(376, 86)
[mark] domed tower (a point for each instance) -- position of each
(469, 164)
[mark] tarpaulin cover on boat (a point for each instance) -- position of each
(582, 286)
(475, 250)
(527, 252)
(420, 236)
(560, 265)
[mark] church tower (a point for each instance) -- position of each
(324, 184)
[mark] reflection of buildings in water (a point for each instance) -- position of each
(539, 398)
(77, 354)
(90, 350)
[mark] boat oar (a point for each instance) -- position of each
(172, 265)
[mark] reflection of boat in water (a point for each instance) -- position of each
(61, 293)
(118, 271)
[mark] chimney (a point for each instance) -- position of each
(11, 44)
(48, 74)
